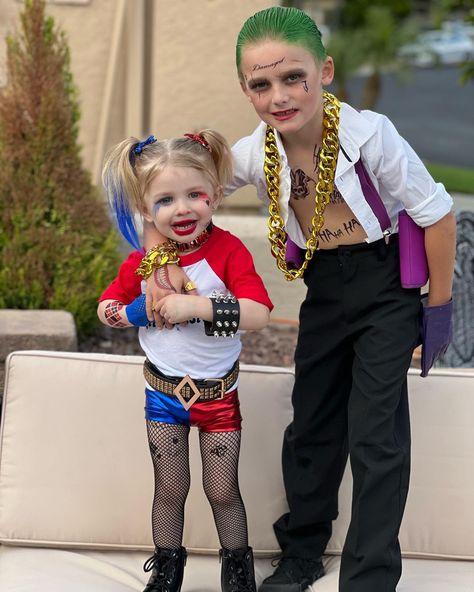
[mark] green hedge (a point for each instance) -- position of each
(57, 246)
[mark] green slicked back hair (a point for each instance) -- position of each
(282, 24)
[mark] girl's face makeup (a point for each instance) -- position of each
(284, 84)
(180, 202)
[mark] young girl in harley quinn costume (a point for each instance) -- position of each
(191, 370)
(358, 326)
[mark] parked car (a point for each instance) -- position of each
(447, 46)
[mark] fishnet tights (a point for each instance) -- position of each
(220, 462)
(170, 454)
(220, 456)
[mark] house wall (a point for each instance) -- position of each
(151, 66)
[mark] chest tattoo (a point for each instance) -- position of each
(299, 184)
(345, 229)
(300, 188)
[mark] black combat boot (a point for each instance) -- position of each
(237, 572)
(293, 574)
(168, 568)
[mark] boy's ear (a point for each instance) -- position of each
(327, 71)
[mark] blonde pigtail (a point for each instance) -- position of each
(221, 155)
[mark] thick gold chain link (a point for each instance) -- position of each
(324, 187)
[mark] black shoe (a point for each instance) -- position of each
(168, 569)
(237, 572)
(293, 574)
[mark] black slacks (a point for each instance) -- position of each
(358, 329)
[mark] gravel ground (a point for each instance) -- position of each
(273, 346)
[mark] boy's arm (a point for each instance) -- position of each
(171, 280)
(437, 312)
(440, 244)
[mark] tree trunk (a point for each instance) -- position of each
(371, 90)
(342, 92)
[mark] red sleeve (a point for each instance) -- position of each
(127, 285)
(241, 277)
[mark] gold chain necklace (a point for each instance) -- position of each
(324, 187)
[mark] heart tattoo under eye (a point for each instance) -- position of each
(205, 198)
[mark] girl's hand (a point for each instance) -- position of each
(179, 308)
(169, 279)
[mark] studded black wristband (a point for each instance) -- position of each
(225, 316)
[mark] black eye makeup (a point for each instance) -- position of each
(295, 76)
(291, 77)
(257, 85)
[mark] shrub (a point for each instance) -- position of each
(57, 245)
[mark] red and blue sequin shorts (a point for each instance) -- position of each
(218, 415)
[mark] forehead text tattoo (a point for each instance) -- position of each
(272, 65)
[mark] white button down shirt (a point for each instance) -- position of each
(395, 169)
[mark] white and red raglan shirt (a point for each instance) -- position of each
(222, 264)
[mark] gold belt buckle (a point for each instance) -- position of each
(221, 380)
(187, 381)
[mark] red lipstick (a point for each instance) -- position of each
(184, 227)
(285, 115)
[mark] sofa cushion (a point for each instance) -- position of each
(74, 463)
(75, 469)
(56, 570)
(439, 515)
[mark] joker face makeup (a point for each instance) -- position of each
(180, 202)
(284, 84)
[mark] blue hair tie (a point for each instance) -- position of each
(139, 147)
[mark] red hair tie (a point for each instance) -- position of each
(200, 140)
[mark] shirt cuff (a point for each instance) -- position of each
(432, 209)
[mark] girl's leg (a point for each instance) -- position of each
(169, 450)
(220, 459)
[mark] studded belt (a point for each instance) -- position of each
(187, 390)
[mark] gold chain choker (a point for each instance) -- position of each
(324, 187)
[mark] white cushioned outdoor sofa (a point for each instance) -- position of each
(76, 479)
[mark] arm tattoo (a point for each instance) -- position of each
(112, 314)
(162, 278)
